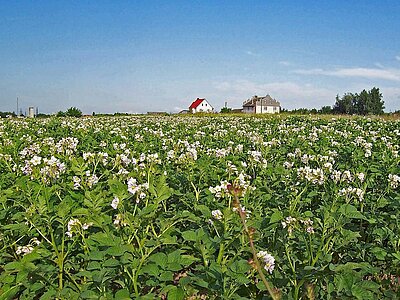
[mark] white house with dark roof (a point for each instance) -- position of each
(200, 105)
(261, 105)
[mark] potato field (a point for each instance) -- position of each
(207, 207)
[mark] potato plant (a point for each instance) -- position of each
(199, 208)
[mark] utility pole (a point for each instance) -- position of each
(17, 107)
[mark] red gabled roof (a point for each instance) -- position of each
(196, 103)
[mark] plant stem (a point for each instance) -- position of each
(274, 294)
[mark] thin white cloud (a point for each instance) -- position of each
(251, 53)
(285, 63)
(391, 96)
(370, 73)
(397, 57)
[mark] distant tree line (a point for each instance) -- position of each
(364, 103)
(70, 112)
(5, 114)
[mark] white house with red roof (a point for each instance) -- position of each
(200, 105)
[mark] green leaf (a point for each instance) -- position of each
(241, 266)
(174, 256)
(49, 294)
(379, 253)
(104, 239)
(97, 255)
(111, 262)
(187, 260)
(369, 285)
(174, 266)
(13, 266)
(166, 276)
(116, 251)
(64, 208)
(22, 276)
(81, 212)
(94, 265)
(159, 258)
(189, 235)
(122, 295)
(205, 211)
(352, 266)
(351, 212)
(151, 269)
(312, 194)
(261, 286)
(176, 293)
(89, 294)
(344, 281)
(10, 293)
(148, 211)
(361, 293)
(275, 217)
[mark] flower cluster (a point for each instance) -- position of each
(67, 145)
(290, 223)
(137, 189)
(77, 182)
(350, 191)
(268, 261)
(115, 202)
(119, 221)
(53, 169)
(238, 187)
(220, 190)
(75, 226)
(308, 224)
(346, 176)
(360, 141)
(217, 214)
(241, 209)
(27, 248)
(394, 180)
(91, 179)
(316, 176)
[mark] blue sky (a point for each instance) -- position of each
(139, 56)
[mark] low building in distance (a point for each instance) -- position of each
(261, 105)
(31, 112)
(157, 113)
(200, 105)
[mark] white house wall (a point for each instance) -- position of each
(204, 106)
(267, 109)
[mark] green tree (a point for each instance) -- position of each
(325, 110)
(344, 105)
(360, 103)
(60, 114)
(376, 104)
(366, 102)
(73, 112)
(225, 110)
